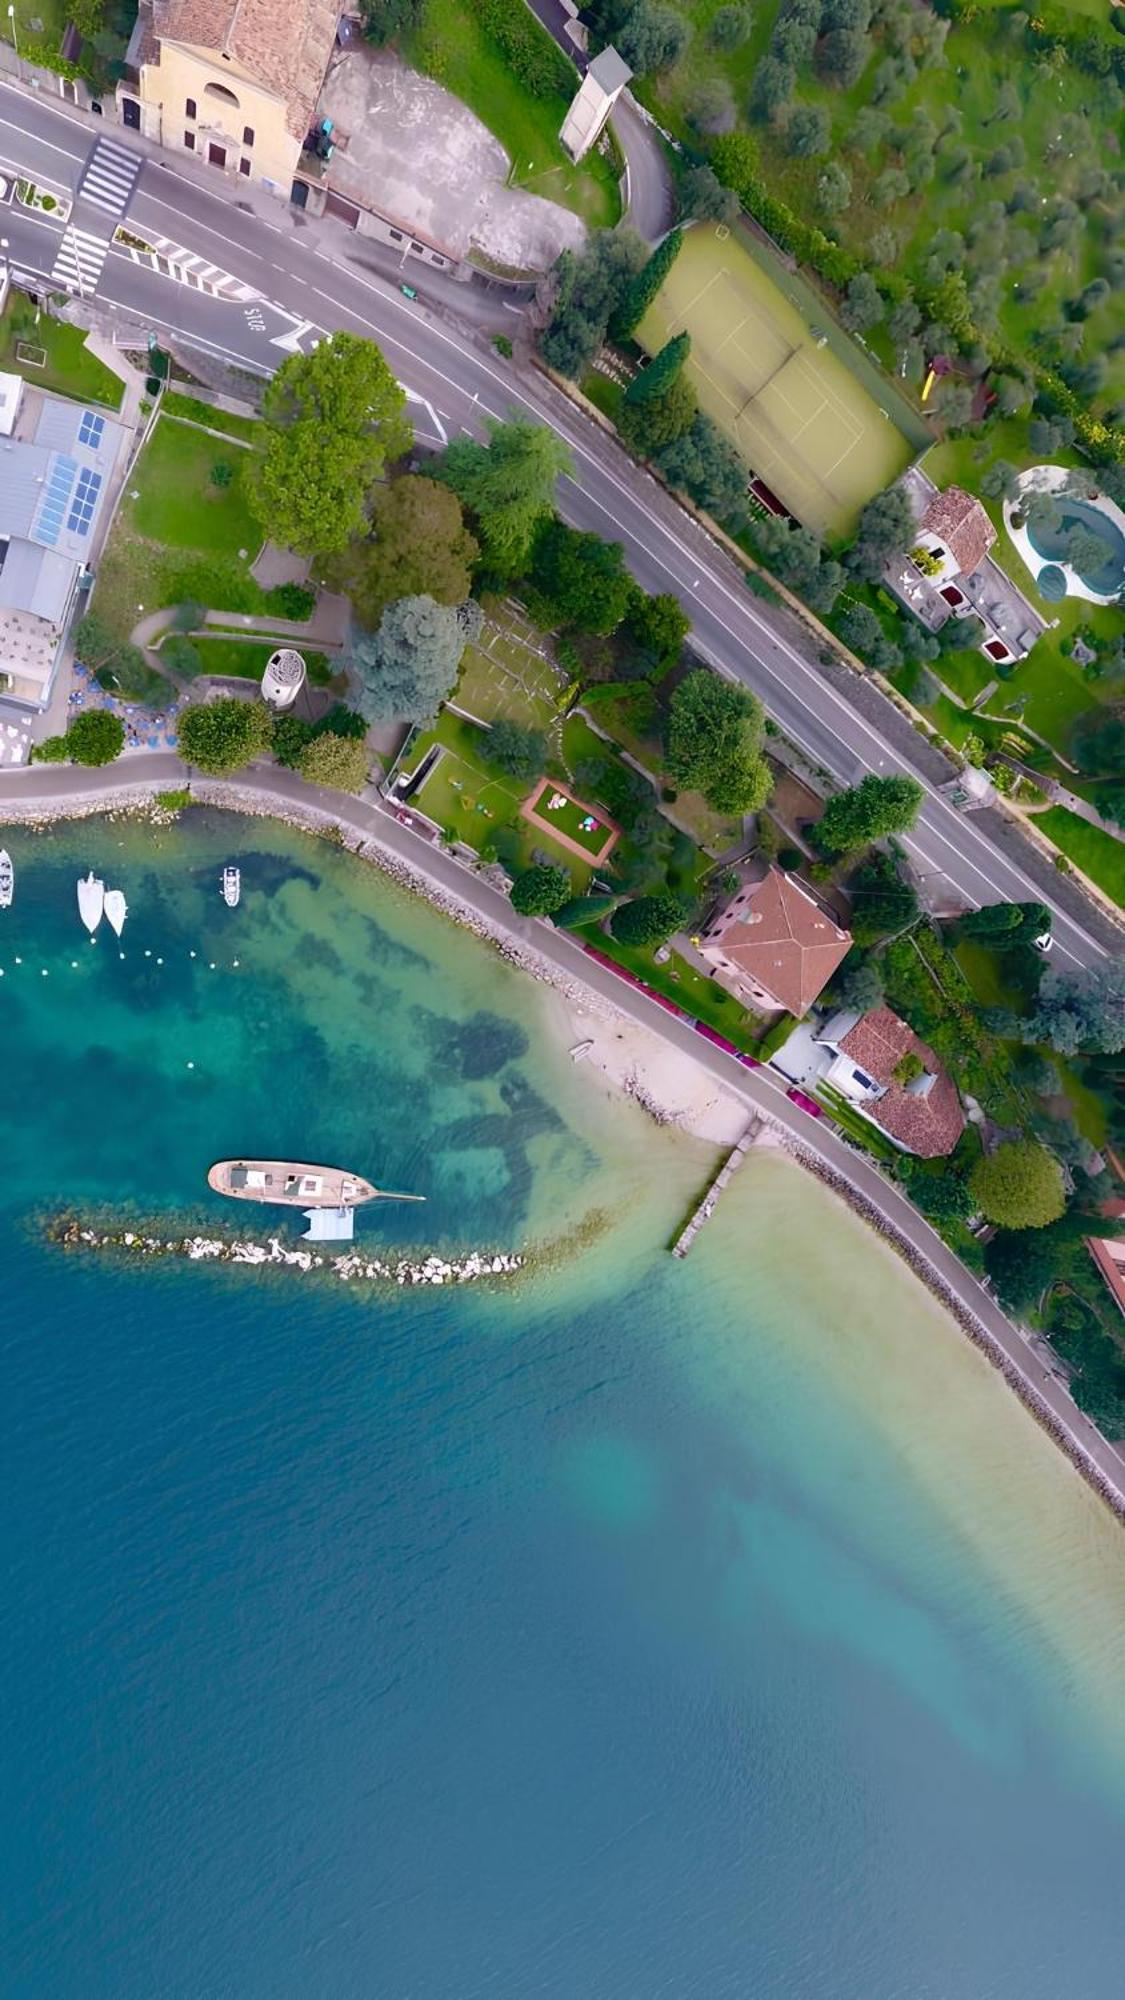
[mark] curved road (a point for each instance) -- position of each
(312, 280)
(46, 788)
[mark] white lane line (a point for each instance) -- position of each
(32, 139)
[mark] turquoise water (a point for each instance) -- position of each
(1106, 576)
(714, 1629)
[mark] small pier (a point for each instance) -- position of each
(726, 1172)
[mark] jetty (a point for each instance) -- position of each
(725, 1175)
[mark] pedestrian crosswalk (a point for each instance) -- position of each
(109, 178)
(78, 264)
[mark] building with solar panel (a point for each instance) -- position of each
(57, 465)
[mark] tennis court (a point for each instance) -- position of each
(780, 388)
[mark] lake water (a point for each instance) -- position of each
(647, 1630)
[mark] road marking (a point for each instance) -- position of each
(30, 138)
(79, 262)
(412, 396)
(109, 177)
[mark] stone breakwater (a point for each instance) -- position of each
(347, 1267)
(967, 1320)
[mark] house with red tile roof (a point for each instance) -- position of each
(882, 1068)
(1108, 1253)
(774, 945)
(956, 530)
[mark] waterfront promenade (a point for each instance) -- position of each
(44, 791)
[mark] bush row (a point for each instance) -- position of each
(527, 48)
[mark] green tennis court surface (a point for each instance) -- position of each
(780, 388)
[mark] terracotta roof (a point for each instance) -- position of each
(282, 44)
(931, 1123)
(784, 941)
(962, 524)
(1109, 1256)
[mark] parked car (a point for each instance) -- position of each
(403, 819)
(804, 1103)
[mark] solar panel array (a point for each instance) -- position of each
(85, 500)
(56, 496)
(90, 429)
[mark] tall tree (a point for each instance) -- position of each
(580, 581)
(332, 419)
(648, 919)
(408, 667)
(222, 736)
(653, 37)
(1083, 1009)
(641, 292)
(385, 20)
(883, 902)
(541, 890)
(886, 527)
(651, 424)
(655, 381)
(507, 486)
(713, 743)
(1020, 1185)
(342, 762)
(868, 811)
(418, 544)
(582, 291)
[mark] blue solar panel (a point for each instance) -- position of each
(85, 498)
(90, 429)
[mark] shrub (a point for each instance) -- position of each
(1019, 1186)
(526, 47)
(223, 736)
(291, 600)
(96, 737)
(541, 890)
(648, 919)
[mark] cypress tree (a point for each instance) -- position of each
(643, 288)
(655, 381)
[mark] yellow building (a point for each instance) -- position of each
(235, 82)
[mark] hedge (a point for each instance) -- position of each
(527, 48)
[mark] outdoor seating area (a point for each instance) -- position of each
(145, 729)
(15, 740)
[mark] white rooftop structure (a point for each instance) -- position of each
(594, 99)
(283, 678)
(11, 389)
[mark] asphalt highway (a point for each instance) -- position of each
(312, 280)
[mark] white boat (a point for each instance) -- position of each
(7, 879)
(116, 910)
(91, 901)
(232, 886)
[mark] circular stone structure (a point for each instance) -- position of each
(283, 679)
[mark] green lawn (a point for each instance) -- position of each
(569, 818)
(506, 673)
(180, 506)
(1098, 854)
(70, 370)
(684, 984)
(466, 797)
(177, 405)
(246, 658)
(451, 46)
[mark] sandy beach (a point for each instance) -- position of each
(633, 1061)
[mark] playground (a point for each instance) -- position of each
(573, 825)
(784, 389)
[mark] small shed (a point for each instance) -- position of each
(593, 101)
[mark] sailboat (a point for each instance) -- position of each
(7, 879)
(91, 901)
(116, 910)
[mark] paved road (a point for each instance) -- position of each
(456, 383)
(762, 1089)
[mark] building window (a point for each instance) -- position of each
(220, 91)
(189, 108)
(189, 141)
(396, 236)
(248, 135)
(244, 167)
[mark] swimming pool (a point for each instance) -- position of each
(1106, 577)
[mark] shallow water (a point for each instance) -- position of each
(650, 1629)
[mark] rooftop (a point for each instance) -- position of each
(1108, 1254)
(960, 522)
(284, 45)
(610, 70)
(778, 935)
(924, 1115)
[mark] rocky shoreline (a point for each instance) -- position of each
(71, 1234)
(968, 1322)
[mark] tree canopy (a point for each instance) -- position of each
(655, 381)
(408, 667)
(648, 919)
(883, 903)
(868, 811)
(419, 544)
(713, 743)
(578, 580)
(515, 749)
(331, 421)
(886, 526)
(1019, 1186)
(96, 737)
(1083, 1009)
(344, 762)
(541, 890)
(653, 631)
(222, 736)
(641, 290)
(588, 287)
(507, 486)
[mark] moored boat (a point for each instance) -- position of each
(116, 910)
(91, 901)
(7, 879)
(296, 1184)
(232, 885)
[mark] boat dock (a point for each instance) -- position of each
(726, 1173)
